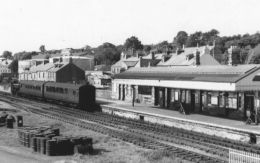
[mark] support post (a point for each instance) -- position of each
(256, 106)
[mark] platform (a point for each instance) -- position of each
(232, 129)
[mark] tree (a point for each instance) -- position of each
(42, 48)
(195, 39)
(133, 44)
(147, 49)
(24, 55)
(14, 66)
(209, 37)
(7, 55)
(181, 38)
(107, 54)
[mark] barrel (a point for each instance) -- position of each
(88, 144)
(34, 144)
(19, 120)
(38, 149)
(3, 117)
(10, 121)
(81, 149)
(50, 147)
(43, 145)
(26, 139)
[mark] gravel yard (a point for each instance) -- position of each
(106, 149)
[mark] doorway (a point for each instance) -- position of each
(192, 101)
(249, 105)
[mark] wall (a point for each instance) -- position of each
(70, 73)
(190, 125)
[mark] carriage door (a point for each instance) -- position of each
(249, 104)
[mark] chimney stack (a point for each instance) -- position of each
(230, 56)
(70, 60)
(153, 56)
(197, 57)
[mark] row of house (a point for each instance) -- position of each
(196, 82)
(5, 71)
(62, 67)
(182, 57)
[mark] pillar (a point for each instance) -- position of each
(256, 106)
(165, 97)
(153, 95)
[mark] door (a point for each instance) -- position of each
(123, 92)
(119, 92)
(192, 101)
(249, 105)
(162, 98)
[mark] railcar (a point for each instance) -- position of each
(31, 88)
(81, 95)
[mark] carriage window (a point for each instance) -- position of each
(66, 91)
(74, 93)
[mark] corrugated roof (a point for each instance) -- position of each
(190, 73)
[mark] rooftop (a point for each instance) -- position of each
(220, 73)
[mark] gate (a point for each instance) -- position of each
(236, 156)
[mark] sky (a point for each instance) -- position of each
(58, 24)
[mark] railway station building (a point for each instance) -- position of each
(219, 90)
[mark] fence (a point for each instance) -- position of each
(236, 156)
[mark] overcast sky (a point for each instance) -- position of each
(27, 24)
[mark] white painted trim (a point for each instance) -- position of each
(216, 86)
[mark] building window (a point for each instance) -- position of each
(176, 96)
(145, 90)
(232, 102)
(214, 100)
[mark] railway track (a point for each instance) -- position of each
(201, 148)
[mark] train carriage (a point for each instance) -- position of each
(31, 88)
(80, 94)
(62, 92)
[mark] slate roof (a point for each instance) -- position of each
(181, 59)
(130, 63)
(220, 73)
(57, 67)
(41, 67)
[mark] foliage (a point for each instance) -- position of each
(133, 44)
(24, 55)
(181, 38)
(14, 66)
(7, 55)
(107, 54)
(42, 48)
